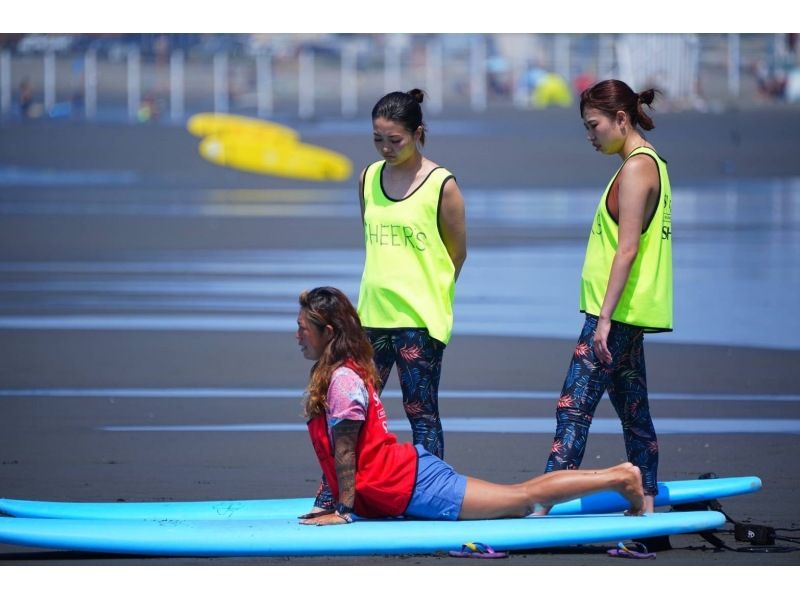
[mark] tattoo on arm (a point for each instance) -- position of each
(345, 438)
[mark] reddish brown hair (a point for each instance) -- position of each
(611, 96)
(325, 306)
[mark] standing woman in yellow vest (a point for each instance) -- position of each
(626, 285)
(415, 237)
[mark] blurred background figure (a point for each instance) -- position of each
(552, 90)
(141, 77)
(27, 109)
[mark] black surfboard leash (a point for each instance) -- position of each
(761, 537)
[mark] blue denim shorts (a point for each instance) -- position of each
(439, 490)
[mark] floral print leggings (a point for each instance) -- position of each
(419, 365)
(626, 382)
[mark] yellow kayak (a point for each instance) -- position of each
(218, 124)
(265, 147)
(297, 160)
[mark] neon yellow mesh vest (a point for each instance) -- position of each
(409, 278)
(646, 300)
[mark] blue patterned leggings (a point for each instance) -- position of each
(418, 357)
(626, 382)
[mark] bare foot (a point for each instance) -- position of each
(631, 488)
(540, 510)
(649, 503)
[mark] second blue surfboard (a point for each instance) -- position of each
(670, 493)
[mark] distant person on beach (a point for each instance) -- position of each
(370, 473)
(626, 284)
(26, 104)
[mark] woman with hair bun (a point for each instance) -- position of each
(626, 284)
(415, 237)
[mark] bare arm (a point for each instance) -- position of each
(639, 178)
(345, 438)
(452, 224)
(361, 193)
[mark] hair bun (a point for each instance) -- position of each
(417, 94)
(647, 96)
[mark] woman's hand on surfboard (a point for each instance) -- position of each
(315, 513)
(325, 519)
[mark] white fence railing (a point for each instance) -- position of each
(476, 73)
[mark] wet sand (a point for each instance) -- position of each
(55, 448)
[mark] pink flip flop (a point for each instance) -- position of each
(478, 550)
(632, 550)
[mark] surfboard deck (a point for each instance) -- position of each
(286, 537)
(669, 493)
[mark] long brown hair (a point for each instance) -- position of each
(611, 96)
(325, 306)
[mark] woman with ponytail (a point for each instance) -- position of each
(370, 474)
(626, 284)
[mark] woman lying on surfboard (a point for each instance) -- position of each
(371, 474)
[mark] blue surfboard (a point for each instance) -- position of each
(669, 493)
(286, 537)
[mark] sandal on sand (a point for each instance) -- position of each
(478, 550)
(632, 550)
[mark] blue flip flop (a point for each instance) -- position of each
(478, 550)
(631, 550)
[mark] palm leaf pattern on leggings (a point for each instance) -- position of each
(584, 385)
(410, 354)
(381, 342)
(418, 358)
